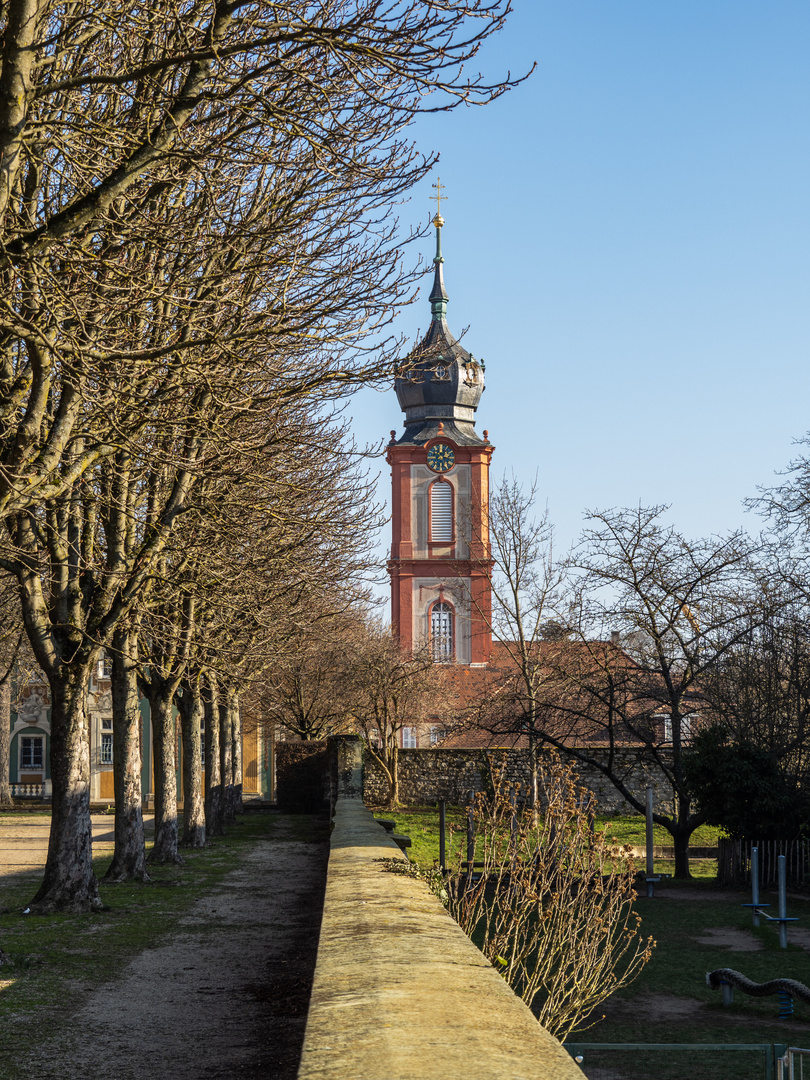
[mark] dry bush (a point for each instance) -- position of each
(552, 907)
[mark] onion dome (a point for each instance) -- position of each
(440, 382)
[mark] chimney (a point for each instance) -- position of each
(614, 637)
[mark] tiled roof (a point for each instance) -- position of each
(476, 692)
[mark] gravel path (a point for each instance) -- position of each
(24, 840)
(227, 997)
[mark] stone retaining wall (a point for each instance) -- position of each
(400, 992)
(302, 777)
(428, 775)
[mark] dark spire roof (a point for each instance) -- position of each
(438, 296)
(441, 381)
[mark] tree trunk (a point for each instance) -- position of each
(129, 858)
(213, 777)
(69, 883)
(236, 743)
(165, 761)
(191, 712)
(681, 842)
(680, 837)
(534, 780)
(226, 757)
(5, 741)
(393, 776)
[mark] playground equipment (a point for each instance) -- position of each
(758, 908)
(755, 905)
(727, 980)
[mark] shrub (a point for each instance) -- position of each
(552, 905)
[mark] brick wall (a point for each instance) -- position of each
(428, 775)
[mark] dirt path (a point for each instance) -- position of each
(24, 840)
(227, 997)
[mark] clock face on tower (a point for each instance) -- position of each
(440, 457)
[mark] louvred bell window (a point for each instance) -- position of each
(441, 511)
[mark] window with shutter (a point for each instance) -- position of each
(441, 511)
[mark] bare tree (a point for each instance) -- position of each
(212, 794)
(526, 586)
(160, 679)
(12, 649)
(307, 689)
(286, 550)
(5, 742)
(656, 614)
(192, 719)
(262, 546)
(393, 689)
(129, 855)
(760, 692)
(269, 126)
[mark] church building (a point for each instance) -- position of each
(439, 564)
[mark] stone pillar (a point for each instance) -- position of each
(345, 768)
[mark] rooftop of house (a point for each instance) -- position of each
(488, 702)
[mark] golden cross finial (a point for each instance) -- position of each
(439, 186)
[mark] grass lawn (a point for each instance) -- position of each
(422, 825)
(632, 830)
(670, 1001)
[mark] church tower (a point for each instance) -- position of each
(439, 566)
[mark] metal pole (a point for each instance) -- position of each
(442, 823)
(650, 853)
(471, 832)
(755, 884)
(782, 902)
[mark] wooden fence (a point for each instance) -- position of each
(734, 861)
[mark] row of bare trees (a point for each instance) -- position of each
(197, 255)
(239, 571)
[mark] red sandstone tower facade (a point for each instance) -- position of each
(439, 566)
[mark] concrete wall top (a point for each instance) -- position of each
(400, 991)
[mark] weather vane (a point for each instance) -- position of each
(439, 186)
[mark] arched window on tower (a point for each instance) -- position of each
(441, 632)
(441, 511)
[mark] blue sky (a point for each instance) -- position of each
(627, 240)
